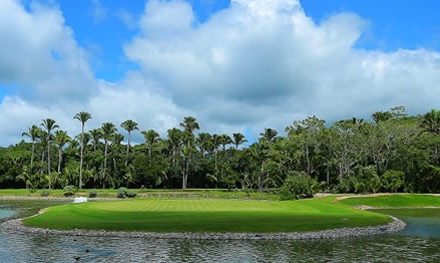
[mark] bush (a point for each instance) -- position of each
(364, 180)
(93, 194)
(45, 193)
(69, 190)
(392, 180)
(130, 194)
(123, 193)
(298, 185)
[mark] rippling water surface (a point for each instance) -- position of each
(420, 242)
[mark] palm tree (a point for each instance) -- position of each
(189, 125)
(108, 129)
(216, 142)
(381, 116)
(269, 135)
(175, 141)
(49, 125)
(33, 133)
(61, 139)
(96, 135)
(204, 142)
(42, 137)
(83, 117)
(151, 137)
(129, 126)
(225, 140)
(117, 148)
(431, 122)
(238, 139)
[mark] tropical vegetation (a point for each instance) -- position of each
(394, 152)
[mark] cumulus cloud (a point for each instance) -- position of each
(40, 55)
(260, 59)
(255, 64)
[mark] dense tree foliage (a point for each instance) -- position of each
(393, 152)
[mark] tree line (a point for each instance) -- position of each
(392, 152)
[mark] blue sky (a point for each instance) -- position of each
(393, 24)
(236, 67)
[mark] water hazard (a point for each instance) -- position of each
(420, 242)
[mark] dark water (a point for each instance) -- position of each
(420, 242)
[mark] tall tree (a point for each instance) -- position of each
(190, 125)
(129, 126)
(61, 139)
(238, 139)
(269, 135)
(204, 142)
(83, 117)
(49, 125)
(175, 140)
(96, 135)
(108, 129)
(33, 133)
(151, 137)
(431, 122)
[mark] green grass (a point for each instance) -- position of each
(412, 212)
(397, 201)
(204, 215)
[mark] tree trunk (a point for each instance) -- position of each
(185, 175)
(260, 179)
(128, 149)
(114, 179)
(82, 157)
(215, 161)
(32, 156)
(48, 158)
(42, 161)
(308, 161)
(105, 163)
(60, 159)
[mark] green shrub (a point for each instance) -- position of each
(123, 193)
(45, 193)
(130, 194)
(392, 180)
(364, 180)
(93, 194)
(298, 185)
(69, 190)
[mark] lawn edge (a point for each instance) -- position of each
(17, 226)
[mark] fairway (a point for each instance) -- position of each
(207, 215)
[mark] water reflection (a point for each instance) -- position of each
(404, 247)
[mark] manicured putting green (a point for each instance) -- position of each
(207, 215)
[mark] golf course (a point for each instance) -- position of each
(224, 215)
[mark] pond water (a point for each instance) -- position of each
(420, 242)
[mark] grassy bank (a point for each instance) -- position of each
(207, 216)
(395, 201)
(148, 193)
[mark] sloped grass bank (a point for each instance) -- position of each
(205, 215)
(11, 194)
(394, 201)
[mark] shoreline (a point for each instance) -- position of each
(51, 198)
(17, 226)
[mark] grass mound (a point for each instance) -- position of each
(204, 215)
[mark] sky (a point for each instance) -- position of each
(237, 66)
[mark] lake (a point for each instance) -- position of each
(419, 242)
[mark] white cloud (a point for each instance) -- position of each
(39, 54)
(255, 64)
